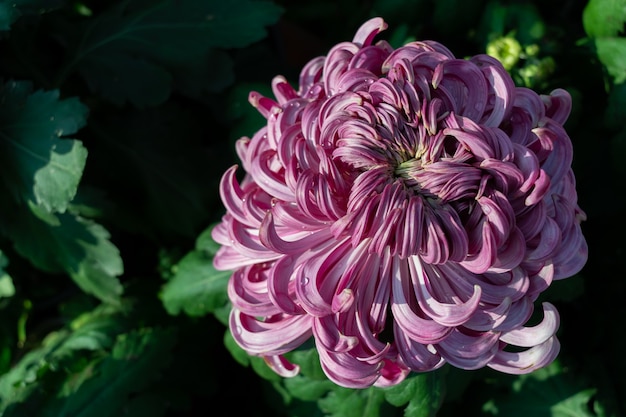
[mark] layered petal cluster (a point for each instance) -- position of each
(403, 208)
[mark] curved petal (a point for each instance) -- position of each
(533, 336)
(446, 314)
(415, 355)
(281, 285)
(280, 335)
(468, 350)
(347, 371)
(270, 239)
(247, 290)
(392, 373)
(368, 31)
(502, 86)
(318, 276)
(558, 105)
(282, 90)
(282, 366)
(486, 318)
(403, 308)
(527, 361)
(482, 260)
(549, 240)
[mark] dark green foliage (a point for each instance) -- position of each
(139, 51)
(548, 392)
(117, 120)
(196, 287)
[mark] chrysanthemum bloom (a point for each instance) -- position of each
(404, 208)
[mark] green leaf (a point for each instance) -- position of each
(97, 329)
(428, 398)
(20, 382)
(24, 378)
(604, 17)
(262, 369)
(612, 53)
(307, 389)
(10, 11)
(65, 359)
(8, 14)
(500, 19)
(136, 360)
(205, 242)
(546, 392)
(168, 42)
(40, 165)
(343, 402)
(79, 247)
(7, 289)
(423, 392)
(235, 350)
(308, 360)
(604, 22)
(197, 288)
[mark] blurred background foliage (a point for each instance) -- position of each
(117, 119)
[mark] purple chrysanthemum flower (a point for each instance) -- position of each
(404, 208)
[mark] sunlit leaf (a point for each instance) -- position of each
(308, 360)
(77, 246)
(344, 402)
(523, 20)
(96, 329)
(39, 163)
(21, 381)
(604, 17)
(205, 242)
(423, 392)
(307, 389)
(196, 288)
(612, 53)
(7, 289)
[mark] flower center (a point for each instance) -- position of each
(407, 171)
